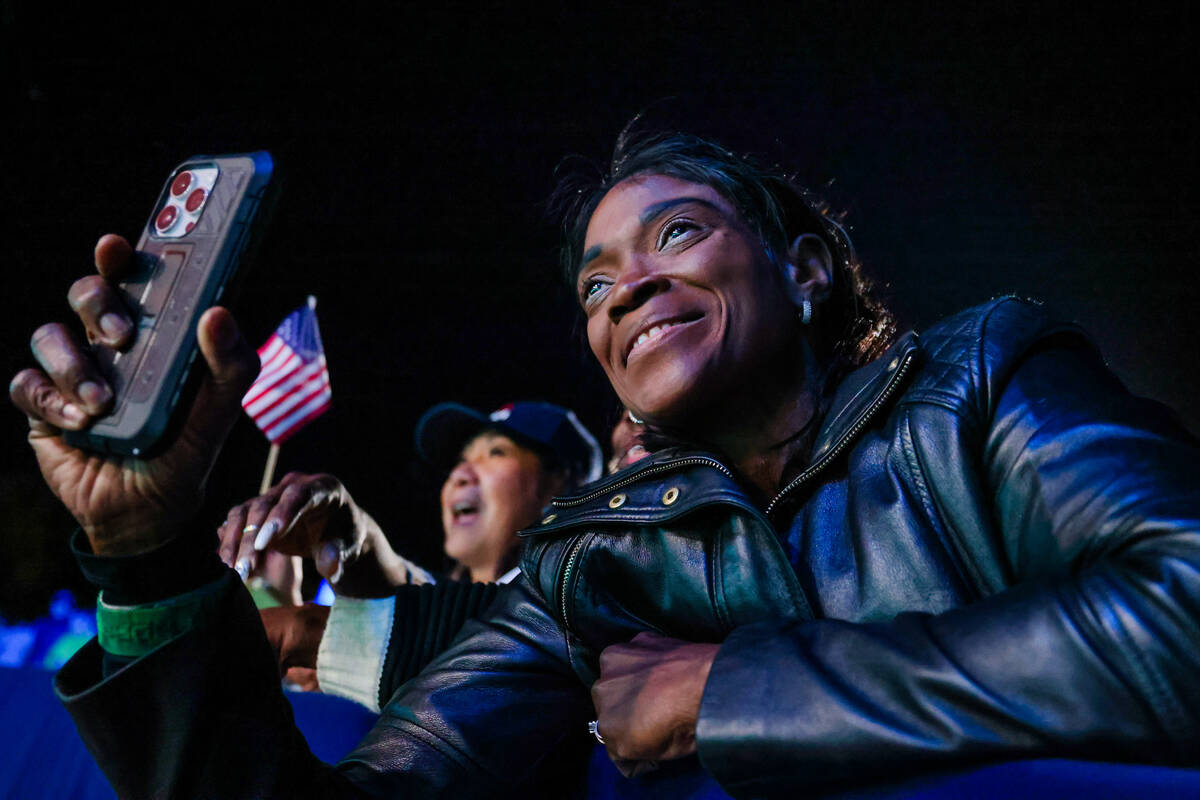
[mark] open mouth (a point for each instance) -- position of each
(652, 334)
(464, 511)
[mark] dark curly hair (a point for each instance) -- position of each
(851, 327)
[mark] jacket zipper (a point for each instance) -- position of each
(577, 546)
(564, 583)
(851, 435)
(670, 466)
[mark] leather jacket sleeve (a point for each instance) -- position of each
(500, 713)
(1092, 651)
(204, 715)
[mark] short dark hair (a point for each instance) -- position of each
(852, 326)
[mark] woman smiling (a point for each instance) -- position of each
(853, 555)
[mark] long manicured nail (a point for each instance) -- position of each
(264, 535)
(115, 326)
(242, 567)
(93, 394)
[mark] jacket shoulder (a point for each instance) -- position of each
(967, 358)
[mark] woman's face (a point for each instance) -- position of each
(682, 303)
(496, 489)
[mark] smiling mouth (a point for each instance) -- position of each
(656, 332)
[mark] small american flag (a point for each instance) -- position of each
(293, 387)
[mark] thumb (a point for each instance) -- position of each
(328, 560)
(232, 367)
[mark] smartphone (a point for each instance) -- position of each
(205, 225)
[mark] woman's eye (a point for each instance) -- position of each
(592, 288)
(497, 451)
(674, 231)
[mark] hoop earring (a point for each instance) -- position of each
(806, 311)
(632, 418)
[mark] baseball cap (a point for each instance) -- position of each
(549, 430)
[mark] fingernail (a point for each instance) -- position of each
(93, 394)
(115, 326)
(225, 334)
(242, 568)
(74, 414)
(331, 560)
(264, 534)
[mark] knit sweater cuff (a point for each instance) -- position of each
(353, 648)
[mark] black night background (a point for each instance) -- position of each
(1046, 153)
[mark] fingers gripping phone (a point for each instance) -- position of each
(207, 218)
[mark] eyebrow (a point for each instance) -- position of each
(590, 255)
(648, 213)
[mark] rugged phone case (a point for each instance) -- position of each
(202, 225)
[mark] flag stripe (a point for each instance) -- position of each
(311, 409)
(269, 349)
(278, 359)
(283, 387)
(290, 401)
(282, 364)
(270, 377)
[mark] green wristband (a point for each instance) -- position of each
(136, 630)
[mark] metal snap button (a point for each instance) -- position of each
(549, 518)
(617, 501)
(670, 496)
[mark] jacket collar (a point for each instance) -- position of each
(855, 402)
(862, 393)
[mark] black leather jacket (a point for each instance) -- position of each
(994, 554)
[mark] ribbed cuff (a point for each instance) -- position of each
(353, 647)
(426, 620)
(180, 565)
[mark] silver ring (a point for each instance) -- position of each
(594, 730)
(250, 528)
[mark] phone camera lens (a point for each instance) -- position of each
(194, 201)
(166, 218)
(181, 183)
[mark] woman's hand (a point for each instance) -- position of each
(648, 699)
(295, 633)
(126, 505)
(314, 515)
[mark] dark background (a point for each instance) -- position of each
(1042, 152)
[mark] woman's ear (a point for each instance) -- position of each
(808, 270)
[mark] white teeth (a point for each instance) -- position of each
(653, 333)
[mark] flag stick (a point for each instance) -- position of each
(269, 471)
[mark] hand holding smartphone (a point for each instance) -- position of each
(206, 221)
(203, 224)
